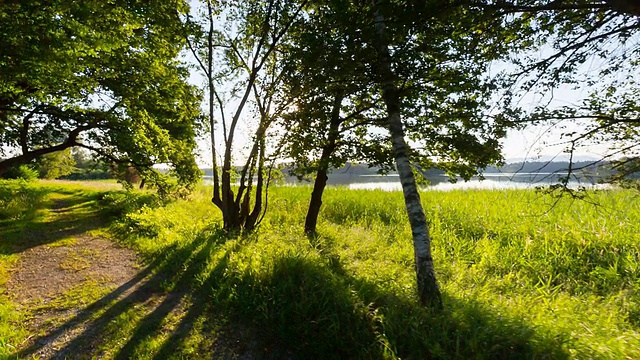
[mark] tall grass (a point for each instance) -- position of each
(524, 275)
(20, 200)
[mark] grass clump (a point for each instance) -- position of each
(20, 200)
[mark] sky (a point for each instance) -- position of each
(535, 143)
(545, 143)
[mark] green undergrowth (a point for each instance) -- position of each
(524, 275)
(26, 221)
(20, 202)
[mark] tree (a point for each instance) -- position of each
(246, 46)
(337, 115)
(98, 75)
(428, 290)
(588, 45)
(429, 76)
(57, 164)
(335, 60)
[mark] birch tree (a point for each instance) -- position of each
(428, 289)
(442, 90)
(237, 52)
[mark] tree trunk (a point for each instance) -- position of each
(7, 164)
(253, 218)
(215, 198)
(428, 289)
(316, 201)
(321, 177)
(625, 6)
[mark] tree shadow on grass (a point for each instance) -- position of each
(321, 311)
(301, 306)
(135, 310)
(74, 214)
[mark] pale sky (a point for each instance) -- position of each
(533, 143)
(544, 142)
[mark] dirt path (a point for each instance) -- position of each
(85, 297)
(47, 271)
(52, 280)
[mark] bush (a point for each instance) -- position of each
(56, 164)
(24, 172)
(19, 200)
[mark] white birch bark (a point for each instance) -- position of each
(428, 289)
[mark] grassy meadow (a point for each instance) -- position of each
(524, 275)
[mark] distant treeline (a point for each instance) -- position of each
(586, 168)
(579, 168)
(69, 164)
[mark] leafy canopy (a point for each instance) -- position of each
(99, 75)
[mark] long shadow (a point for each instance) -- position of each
(203, 305)
(174, 267)
(151, 324)
(20, 235)
(320, 310)
(310, 308)
(84, 315)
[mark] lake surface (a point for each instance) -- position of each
(391, 182)
(491, 181)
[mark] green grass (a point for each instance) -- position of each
(24, 223)
(19, 204)
(523, 276)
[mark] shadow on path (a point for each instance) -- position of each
(67, 215)
(145, 302)
(302, 307)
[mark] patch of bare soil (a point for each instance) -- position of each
(45, 272)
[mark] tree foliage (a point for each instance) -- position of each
(56, 164)
(24, 172)
(585, 45)
(99, 75)
(377, 81)
(440, 65)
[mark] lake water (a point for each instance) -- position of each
(491, 181)
(391, 182)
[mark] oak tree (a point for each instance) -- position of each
(104, 76)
